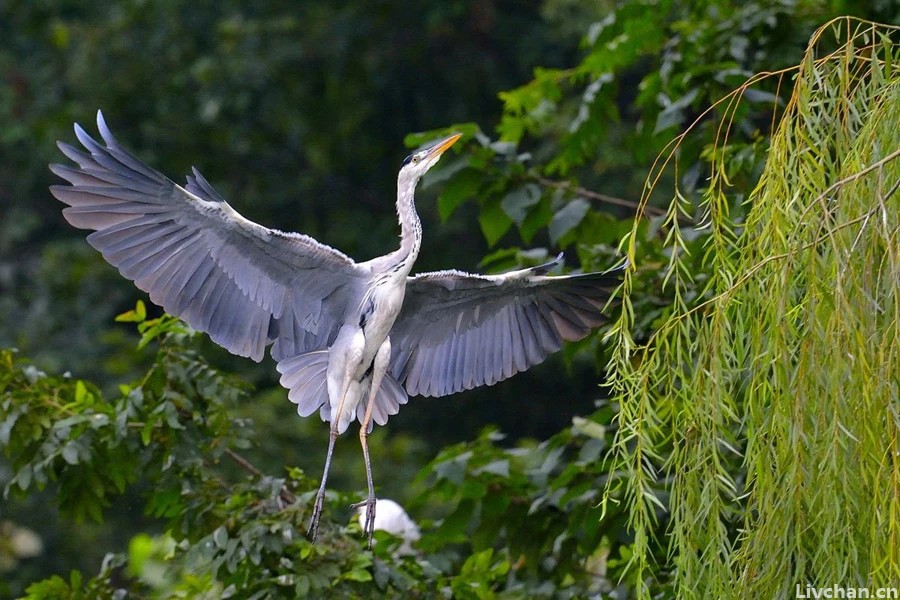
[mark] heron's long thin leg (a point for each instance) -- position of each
(380, 367)
(370, 500)
(313, 530)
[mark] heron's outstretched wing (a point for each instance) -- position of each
(242, 283)
(457, 331)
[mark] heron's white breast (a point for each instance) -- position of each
(388, 300)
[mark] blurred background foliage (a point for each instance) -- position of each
(298, 114)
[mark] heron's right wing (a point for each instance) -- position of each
(243, 284)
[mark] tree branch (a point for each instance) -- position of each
(285, 494)
(568, 186)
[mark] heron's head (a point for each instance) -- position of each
(417, 163)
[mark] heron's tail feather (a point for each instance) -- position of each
(305, 376)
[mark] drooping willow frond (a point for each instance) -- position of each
(772, 400)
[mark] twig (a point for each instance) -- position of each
(850, 178)
(285, 494)
(568, 186)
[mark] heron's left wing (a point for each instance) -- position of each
(457, 331)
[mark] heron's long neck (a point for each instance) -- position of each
(410, 225)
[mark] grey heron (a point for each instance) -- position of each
(350, 339)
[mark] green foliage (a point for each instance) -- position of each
(536, 503)
(768, 401)
(749, 444)
(173, 429)
(231, 536)
(151, 329)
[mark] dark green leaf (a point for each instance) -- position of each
(494, 222)
(568, 218)
(461, 187)
(517, 203)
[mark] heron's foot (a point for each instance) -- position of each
(369, 527)
(313, 531)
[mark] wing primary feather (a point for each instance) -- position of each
(219, 317)
(569, 330)
(504, 370)
(495, 343)
(122, 240)
(153, 262)
(77, 176)
(533, 353)
(412, 377)
(75, 155)
(520, 359)
(453, 382)
(188, 294)
(196, 314)
(189, 260)
(211, 299)
(472, 337)
(203, 186)
(447, 355)
(168, 270)
(426, 381)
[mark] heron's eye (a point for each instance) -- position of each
(413, 158)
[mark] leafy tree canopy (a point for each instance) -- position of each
(749, 441)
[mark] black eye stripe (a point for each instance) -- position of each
(411, 158)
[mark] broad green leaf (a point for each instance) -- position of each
(589, 427)
(673, 113)
(517, 203)
(494, 222)
(70, 453)
(358, 575)
(137, 315)
(461, 187)
(497, 467)
(537, 220)
(568, 218)
(140, 550)
(80, 392)
(502, 259)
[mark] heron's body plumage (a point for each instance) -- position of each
(359, 341)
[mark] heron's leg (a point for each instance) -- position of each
(382, 358)
(313, 530)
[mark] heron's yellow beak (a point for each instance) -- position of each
(441, 146)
